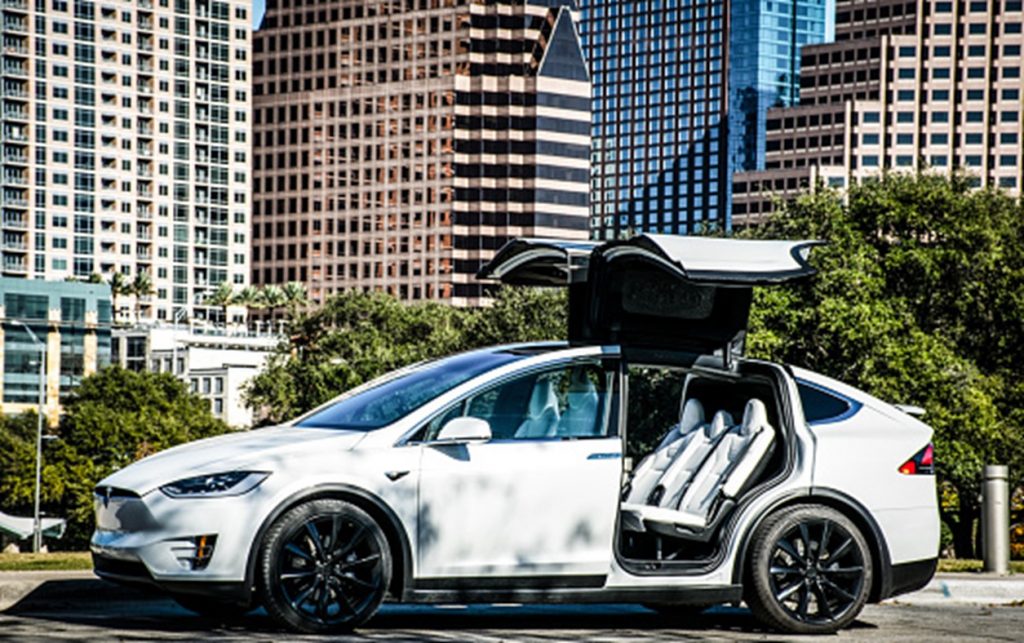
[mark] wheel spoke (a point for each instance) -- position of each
(844, 571)
(805, 536)
(294, 575)
(314, 535)
(356, 538)
(823, 606)
(335, 525)
(838, 590)
(322, 604)
(359, 561)
(355, 581)
(826, 532)
(841, 550)
(293, 548)
(788, 547)
(303, 595)
(778, 569)
(805, 597)
(782, 595)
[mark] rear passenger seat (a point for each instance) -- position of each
(651, 468)
(693, 503)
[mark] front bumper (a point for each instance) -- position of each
(156, 539)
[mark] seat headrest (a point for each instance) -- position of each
(755, 416)
(719, 424)
(582, 393)
(691, 417)
(542, 398)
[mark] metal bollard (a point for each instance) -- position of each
(995, 518)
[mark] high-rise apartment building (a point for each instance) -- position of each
(680, 91)
(125, 145)
(399, 144)
(907, 86)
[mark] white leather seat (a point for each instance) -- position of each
(733, 464)
(677, 476)
(542, 413)
(651, 468)
(581, 402)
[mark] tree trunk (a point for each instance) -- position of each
(963, 528)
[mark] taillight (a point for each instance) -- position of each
(923, 462)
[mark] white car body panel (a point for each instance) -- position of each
(848, 459)
(480, 515)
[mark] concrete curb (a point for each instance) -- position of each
(14, 586)
(967, 589)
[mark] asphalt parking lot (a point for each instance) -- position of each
(85, 609)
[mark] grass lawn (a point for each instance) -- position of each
(966, 565)
(45, 562)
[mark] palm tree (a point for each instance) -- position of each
(223, 296)
(142, 286)
(295, 297)
(272, 298)
(249, 297)
(119, 287)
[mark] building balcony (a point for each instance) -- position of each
(11, 49)
(142, 255)
(16, 114)
(16, 71)
(16, 5)
(16, 26)
(15, 265)
(15, 179)
(15, 90)
(15, 246)
(16, 159)
(12, 223)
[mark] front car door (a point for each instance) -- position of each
(537, 501)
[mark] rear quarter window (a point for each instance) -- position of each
(822, 405)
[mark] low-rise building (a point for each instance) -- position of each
(70, 320)
(215, 361)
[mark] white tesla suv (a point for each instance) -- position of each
(499, 475)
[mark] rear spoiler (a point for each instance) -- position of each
(910, 409)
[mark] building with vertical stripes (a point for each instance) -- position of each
(399, 144)
(909, 86)
(125, 146)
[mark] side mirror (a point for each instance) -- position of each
(464, 429)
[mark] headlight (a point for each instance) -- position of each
(215, 485)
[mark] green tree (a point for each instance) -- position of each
(113, 418)
(917, 301)
(222, 297)
(295, 297)
(355, 337)
(142, 287)
(271, 298)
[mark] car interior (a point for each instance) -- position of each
(727, 442)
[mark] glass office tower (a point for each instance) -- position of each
(679, 97)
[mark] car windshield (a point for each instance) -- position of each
(395, 397)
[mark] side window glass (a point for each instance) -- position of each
(821, 406)
(434, 426)
(571, 401)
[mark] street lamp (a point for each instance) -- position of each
(37, 532)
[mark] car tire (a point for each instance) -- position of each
(212, 608)
(809, 571)
(325, 566)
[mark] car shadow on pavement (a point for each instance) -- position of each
(98, 604)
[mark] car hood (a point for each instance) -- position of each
(258, 450)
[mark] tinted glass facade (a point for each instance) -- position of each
(764, 66)
(666, 75)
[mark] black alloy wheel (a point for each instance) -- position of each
(325, 567)
(810, 571)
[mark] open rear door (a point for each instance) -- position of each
(665, 292)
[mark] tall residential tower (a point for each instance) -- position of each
(125, 145)
(399, 144)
